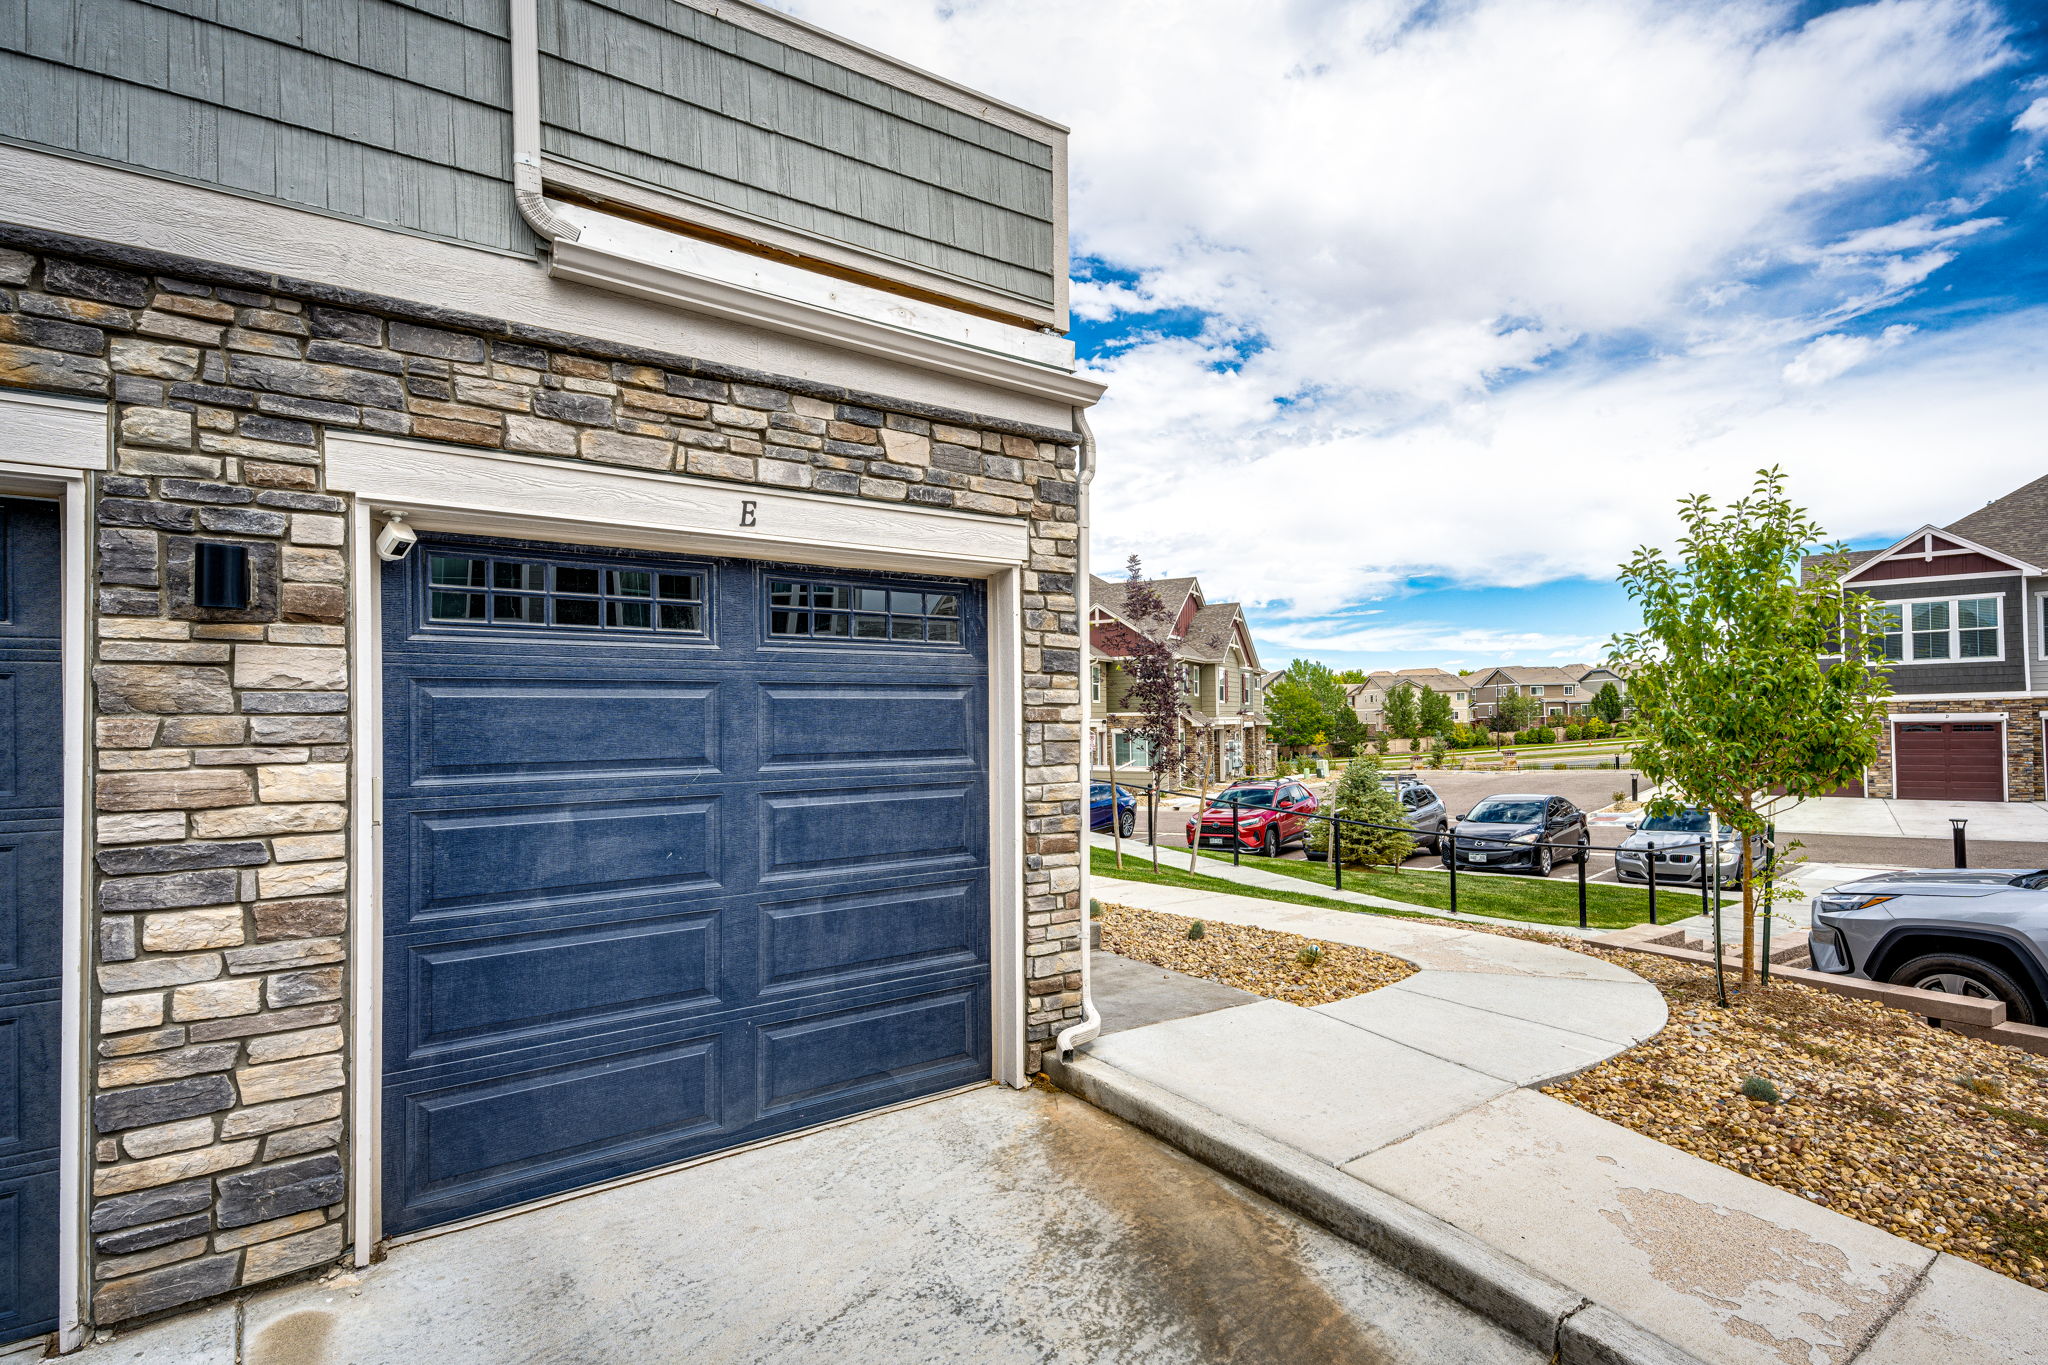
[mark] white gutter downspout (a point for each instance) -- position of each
(526, 181)
(1074, 1035)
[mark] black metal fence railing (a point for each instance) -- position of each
(1659, 864)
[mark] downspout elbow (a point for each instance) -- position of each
(1089, 1026)
(524, 31)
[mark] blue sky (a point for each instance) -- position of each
(1419, 315)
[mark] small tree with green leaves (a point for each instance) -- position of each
(1305, 705)
(1607, 703)
(1361, 795)
(1513, 712)
(1748, 674)
(1402, 715)
(1433, 715)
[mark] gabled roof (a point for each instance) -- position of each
(1174, 592)
(2013, 528)
(1516, 673)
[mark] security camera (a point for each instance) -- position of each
(396, 540)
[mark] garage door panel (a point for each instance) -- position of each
(843, 725)
(30, 873)
(28, 1265)
(647, 898)
(813, 834)
(27, 689)
(474, 729)
(491, 990)
(874, 1052)
(1949, 761)
(505, 857)
(559, 1122)
(846, 938)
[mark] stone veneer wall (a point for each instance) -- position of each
(221, 769)
(2023, 716)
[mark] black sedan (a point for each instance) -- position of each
(1531, 832)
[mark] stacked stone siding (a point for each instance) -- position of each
(221, 767)
(2023, 721)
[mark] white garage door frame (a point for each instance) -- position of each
(471, 492)
(48, 446)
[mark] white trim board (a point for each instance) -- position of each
(482, 493)
(1943, 717)
(47, 432)
(493, 493)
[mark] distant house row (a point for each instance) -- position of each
(1563, 693)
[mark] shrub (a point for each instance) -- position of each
(1094, 908)
(1360, 795)
(1757, 1088)
(1572, 732)
(1195, 930)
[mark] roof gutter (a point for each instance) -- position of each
(526, 178)
(1090, 1024)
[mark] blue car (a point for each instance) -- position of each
(1098, 809)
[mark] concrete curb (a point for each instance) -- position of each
(1532, 1306)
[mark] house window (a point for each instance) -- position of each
(1569, 688)
(1132, 751)
(1926, 632)
(1537, 690)
(1191, 681)
(1095, 683)
(1222, 686)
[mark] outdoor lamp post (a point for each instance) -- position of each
(1955, 825)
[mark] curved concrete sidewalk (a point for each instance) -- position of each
(1406, 1116)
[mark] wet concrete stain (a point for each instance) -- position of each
(1220, 1269)
(295, 1339)
(1749, 1268)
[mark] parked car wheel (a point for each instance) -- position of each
(1270, 845)
(1544, 861)
(1436, 840)
(1961, 974)
(1127, 823)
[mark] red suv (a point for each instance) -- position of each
(1260, 815)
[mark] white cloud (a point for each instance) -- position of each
(1827, 357)
(2034, 118)
(1443, 221)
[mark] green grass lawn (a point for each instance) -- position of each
(1535, 899)
(1172, 872)
(1531, 899)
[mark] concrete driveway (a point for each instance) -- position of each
(1869, 817)
(989, 1226)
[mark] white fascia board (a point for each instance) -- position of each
(636, 258)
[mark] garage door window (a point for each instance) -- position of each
(799, 610)
(467, 590)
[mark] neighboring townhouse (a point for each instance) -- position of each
(1593, 677)
(1559, 691)
(1369, 698)
(541, 545)
(1964, 640)
(1223, 682)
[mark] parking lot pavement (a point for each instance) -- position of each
(1003, 1227)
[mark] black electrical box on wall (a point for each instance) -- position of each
(220, 575)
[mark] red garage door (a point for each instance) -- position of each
(1957, 761)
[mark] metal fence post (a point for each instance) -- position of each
(1152, 818)
(1962, 849)
(1454, 871)
(1650, 872)
(1770, 859)
(1585, 858)
(1706, 907)
(1337, 850)
(1236, 833)
(1720, 951)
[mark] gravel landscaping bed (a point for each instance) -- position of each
(1937, 1138)
(1257, 960)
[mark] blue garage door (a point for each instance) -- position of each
(679, 854)
(31, 920)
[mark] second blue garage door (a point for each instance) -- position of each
(679, 854)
